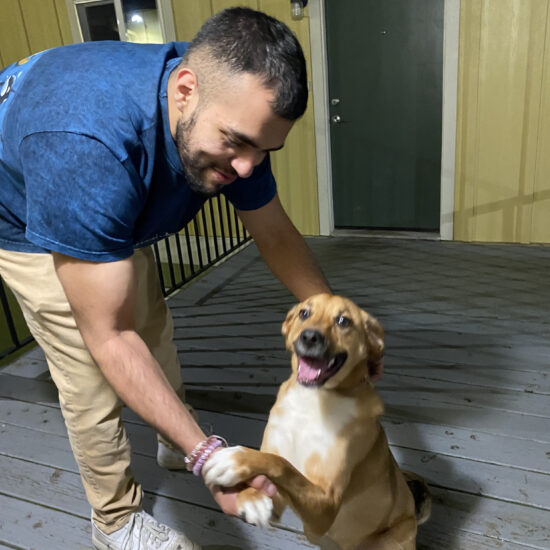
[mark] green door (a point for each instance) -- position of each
(385, 64)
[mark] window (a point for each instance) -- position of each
(144, 21)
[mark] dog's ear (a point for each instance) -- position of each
(375, 342)
(289, 319)
(375, 336)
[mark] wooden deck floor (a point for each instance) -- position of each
(467, 393)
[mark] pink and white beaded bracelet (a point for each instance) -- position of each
(196, 459)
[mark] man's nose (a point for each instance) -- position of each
(244, 164)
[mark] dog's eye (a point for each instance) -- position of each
(343, 322)
(304, 314)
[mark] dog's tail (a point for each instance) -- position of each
(422, 497)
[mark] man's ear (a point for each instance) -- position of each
(186, 88)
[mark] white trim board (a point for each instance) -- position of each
(319, 63)
(451, 42)
(322, 127)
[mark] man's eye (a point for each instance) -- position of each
(231, 143)
(304, 314)
(343, 321)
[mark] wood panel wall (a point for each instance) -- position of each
(502, 189)
(30, 26)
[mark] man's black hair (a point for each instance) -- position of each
(245, 40)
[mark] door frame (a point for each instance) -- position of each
(319, 62)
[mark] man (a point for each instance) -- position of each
(105, 148)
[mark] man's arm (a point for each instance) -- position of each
(287, 255)
(284, 250)
(101, 296)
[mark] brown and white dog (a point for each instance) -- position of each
(323, 446)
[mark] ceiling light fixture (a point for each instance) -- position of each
(297, 9)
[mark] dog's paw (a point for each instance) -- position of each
(223, 469)
(255, 507)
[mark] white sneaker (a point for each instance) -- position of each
(170, 459)
(142, 532)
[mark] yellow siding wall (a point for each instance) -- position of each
(540, 225)
(295, 166)
(30, 26)
(502, 189)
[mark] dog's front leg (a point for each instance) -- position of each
(255, 507)
(314, 504)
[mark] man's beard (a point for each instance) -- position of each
(195, 168)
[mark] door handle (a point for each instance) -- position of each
(336, 119)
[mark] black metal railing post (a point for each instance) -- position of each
(201, 253)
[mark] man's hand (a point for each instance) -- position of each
(226, 497)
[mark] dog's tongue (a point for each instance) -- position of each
(308, 369)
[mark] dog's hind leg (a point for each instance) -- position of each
(401, 536)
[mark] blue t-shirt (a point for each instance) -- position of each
(88, 166)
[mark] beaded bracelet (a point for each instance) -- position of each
(192, 457)
(205, 456)
(199, 455)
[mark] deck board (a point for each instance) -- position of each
(465, 388)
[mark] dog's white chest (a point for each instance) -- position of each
(309, 424)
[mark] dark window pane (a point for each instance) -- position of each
(98, 21)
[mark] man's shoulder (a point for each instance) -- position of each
(93, 88)
(122, 62)
(92, 56)
(98, 73)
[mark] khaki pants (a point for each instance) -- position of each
(90, 407)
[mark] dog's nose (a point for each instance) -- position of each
(311, 338)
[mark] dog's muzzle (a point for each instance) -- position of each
(315, 364)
